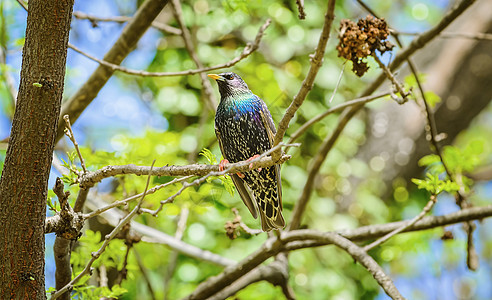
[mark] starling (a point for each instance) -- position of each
(245, 129)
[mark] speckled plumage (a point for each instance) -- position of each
(244, 128)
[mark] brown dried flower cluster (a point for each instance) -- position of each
(357, 41)
(232, 229)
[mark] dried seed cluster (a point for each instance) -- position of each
(232, 229)
(357, 41)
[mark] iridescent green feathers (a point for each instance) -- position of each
(244, 128)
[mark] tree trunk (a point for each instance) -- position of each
(24, 181)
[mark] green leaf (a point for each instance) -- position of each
(428, 160)
(209, 156)
(51, 205)
(228, 184)
(116, 291)
(410, 79)
(435, 186)
(432, 98)
(71, 156)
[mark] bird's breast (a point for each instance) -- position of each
(242, 135)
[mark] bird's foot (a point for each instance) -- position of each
(222, 167)
(251, 164)
(223, 164)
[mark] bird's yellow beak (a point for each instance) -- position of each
(215, 76)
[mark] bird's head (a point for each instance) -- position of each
(230, 84)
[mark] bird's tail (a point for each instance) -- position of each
(270, 207)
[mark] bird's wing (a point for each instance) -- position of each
(267, 119)
(246, 196)
(268, 122)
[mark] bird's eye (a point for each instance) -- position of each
(228, 76)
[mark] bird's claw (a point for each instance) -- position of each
(222, 167)
(223, 164)
(251, 164)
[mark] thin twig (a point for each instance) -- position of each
(95, 255)
(294, 240)
(333, 94)
(300, 8)
(198, 181)
(144, 272)
(357, 253)
(125, 43)
(71, 136)
(395, 82)
(245, 227)
(276, 273)
(307, 84)
(247, 51)
(122, 274)
(453, 35)
(173, 258)
(152, 235)
(125, 201)
(431, 129)
(238, 222)
(9, 80)
(427, 209)
(315, 166)
(337, 108)
(123, 19)
(185, 33)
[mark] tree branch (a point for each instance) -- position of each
(307, 84)
(356, 252)
(315, 166)
(432, 137)
(293, 240)
(66, 223)
(152, 235)
(454, 35)
(383, 239)
(123, 19)
(349, 112)
(230, 274)
(185, 33)
(125, 201)
(107, 239)
(71, 136)
(248, 50)
(337, 108)
(300, 8)
(173, 257)
(91, 178)
(276, 273)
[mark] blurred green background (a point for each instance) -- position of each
(136, 120)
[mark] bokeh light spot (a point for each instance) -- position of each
(420, 11)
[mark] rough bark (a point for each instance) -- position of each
(24, 181)
(127, 41)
